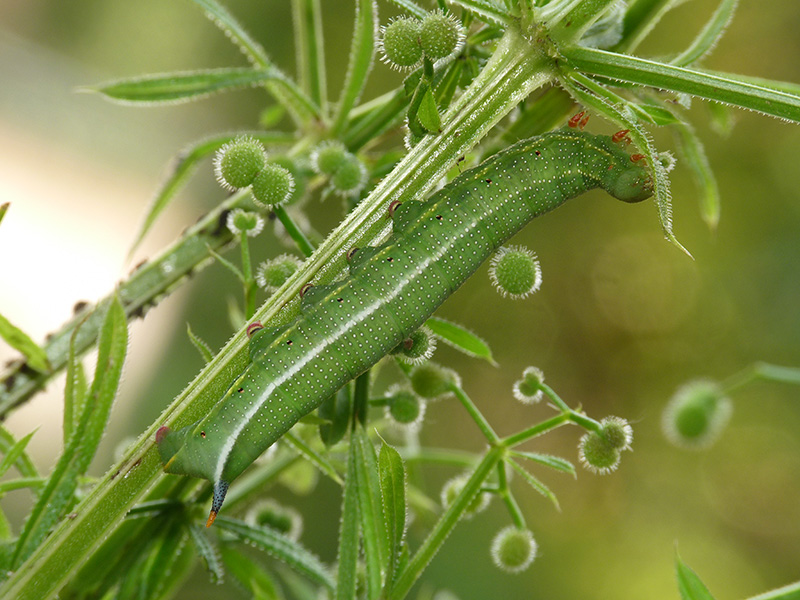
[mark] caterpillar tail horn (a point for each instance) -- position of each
(220, 489)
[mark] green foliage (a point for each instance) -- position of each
(473, 68)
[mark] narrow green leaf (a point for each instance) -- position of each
(486, 10)
(787, 592)
(112, 347)
(312, 456)
(58, 493)
(358, 68)
(203, 348)
(373, 521)
(309, 41)
(694, 155)
(22, 483)
(280, 547)
(283, 89)
(411, 8)
(709, 36)
(160, 565)
(3, 210)
(656, 115)
(14, 453)
(428, 112)
(346, 575)
(460, 338)
(19, 340)
(75, 389)
(536, 484)
(185, 164)
(232, 268)
(689, 584)
(208, 552)
(220, 16)
(6, 541)
(184, 86)
(548, 460)
(336, 411)
(726, 88)
(393, 493)
(641, 19)
(23, 463)
(253, 577)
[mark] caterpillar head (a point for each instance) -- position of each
(629, 180)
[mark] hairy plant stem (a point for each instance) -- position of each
(515, 69)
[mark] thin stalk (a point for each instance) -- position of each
(409, 575)
(293, 231)
(476, 415)
(761, 370)
(505, 493)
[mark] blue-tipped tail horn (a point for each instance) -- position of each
(220, 489)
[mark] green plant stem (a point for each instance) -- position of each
(303, 243)
(476, 415)
(720, 87)
(247, 276)
(409, 575)
(146, 285)
(505, 493)
(537, 430)
(761, 370)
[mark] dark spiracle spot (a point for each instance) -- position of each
(351, 253)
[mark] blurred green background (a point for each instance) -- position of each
(622, 319)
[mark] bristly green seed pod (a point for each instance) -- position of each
(328, 157)
(696, 415)
(351, 176)
(391, 290)
(243, 221)
(272, 274)
(418, 348)
(513, 549)
(283, 519)
(601, 452)
(272, 186)
(432, 381)
(528, 390)
(238, 162)
(515, 272)
(617, 432)
(399, 43)
(441, 35)
(452, 488)
(404, 407)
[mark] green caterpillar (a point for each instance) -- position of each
(346, 327)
